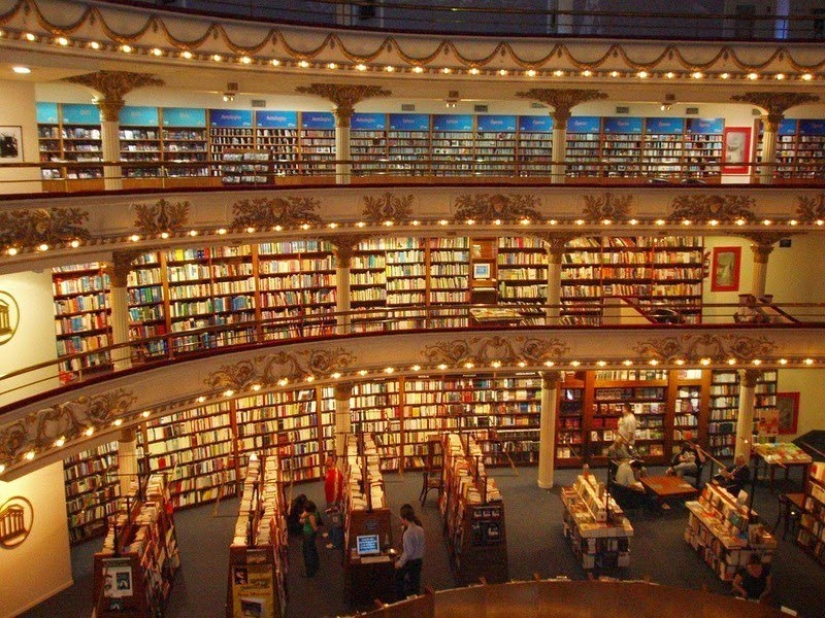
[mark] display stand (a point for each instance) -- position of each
(473, 512)
(598, 532)
(133, 573)
(725, 533)
(366, 578)
(258, 556)
(812, 521)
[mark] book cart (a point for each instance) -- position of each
(596, 527)
(366, 579)
(133, 573)
(258, 555)
(473, 512)
(724, 532)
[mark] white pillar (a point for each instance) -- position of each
(343, 152)
(119, 304)
(558, 171)
(555, 250)
(771, 127)
(343, 418)
(761, 253)
(127, 464)
(343, 260)
(547, 432)
(744, 422)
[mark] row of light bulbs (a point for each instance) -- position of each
(496, 364)
(304, 64)
(360, 225)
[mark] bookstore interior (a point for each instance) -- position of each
(265, 279)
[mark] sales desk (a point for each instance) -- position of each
(665, 488)
(369, 579)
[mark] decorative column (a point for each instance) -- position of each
(119, 304)
(562, 102)
(127, 465)
(113, 86)
(761, 252)
(344, 97)
(344, 246)
(554, 244)
(744, 422)
(776, 104)
(547, 433)
(343, 417)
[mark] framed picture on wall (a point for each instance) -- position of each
(482, 270)
(725, 267)
(788, 406)
(736, 153)
(11, 144)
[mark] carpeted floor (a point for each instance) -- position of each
(535, 545)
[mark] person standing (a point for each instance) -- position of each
(309, 521)
(334, 494)
(627, 425)
(408, 566)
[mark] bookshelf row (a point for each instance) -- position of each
(800, 149)
(205, 450)
(238, 287)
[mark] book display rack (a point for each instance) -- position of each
(92, 490)
(317, 135)
(245, 167)
(811, 535)
(140, 140)
(725, 533)
(134, 571)
(369, 146)
(596, 527)
(473, 512)
(259, 553)
(799, 150)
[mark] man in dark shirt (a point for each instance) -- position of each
(735, 477)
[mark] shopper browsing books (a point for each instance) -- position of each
(310, 522)
(408, 566)
(334, 492)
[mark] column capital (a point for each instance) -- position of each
(344, 96)
(555, 242)
(343, 390)
(551, 379)
(118, 269)
(762, 244)
(775, 103)
(562, 100)
(344, 246)
(749, 377)
(127, 434)
(114, 86)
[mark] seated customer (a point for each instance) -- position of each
(753, 581)
(629, 473)
(736, 476)
(686, 461)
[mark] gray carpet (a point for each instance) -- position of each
(534, 541)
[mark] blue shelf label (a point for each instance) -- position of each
(369, 122)
(452, 122)
(184, 117)
(317, 120)
(622, 125)
(272, 119)
(230, 118)
(787, 126)
(584, 124)
(409, 122)
(665, 126)
(535, 124)
(812, 127)
(708, 126)
(497, 124)
(139, 116)
(80, 113)
(46, 113)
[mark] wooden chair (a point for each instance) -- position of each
(433, 470)
(790, 513)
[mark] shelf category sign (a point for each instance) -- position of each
(139, 116)
(497, 124)
(80, 113)
(272, 119)
(706, 126)
(535, 124)
(46, 113)
(369, 122)
(317, 120)
(409, 122)
(452, 122)
(812, 127)
(584, 124)
(230, 118)
(665, 126)
(623, 125)
(180, 117)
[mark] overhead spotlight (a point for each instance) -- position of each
(668, 102)
(228, 97)
(665, 107)
(452, 99)
(231, 91)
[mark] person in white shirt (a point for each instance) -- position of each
(629, 473)
(627, 425)
(408, 565)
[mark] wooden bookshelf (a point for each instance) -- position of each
(92, 490)
(812, 520)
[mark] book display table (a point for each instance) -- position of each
(781, 454)
(595, 525)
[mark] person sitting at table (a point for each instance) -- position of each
(686, 461)
(734, 477)
(628, 474)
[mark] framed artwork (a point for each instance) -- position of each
(736, 150)
(724, 272)
(11, 144)
(482, 270)
(788, 406)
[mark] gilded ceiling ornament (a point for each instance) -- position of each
(491, 207)
(38, 431)
(809, 209)
(723, 208)
(271, 369)
(562, 100)
(344, 96)
(776, 103)
(345, 245)
(388, 207)
(118, 269)
(162, 216)
(486, 350)
(28, 228)
(717, 348)
(609, 206)
(114, 85)
(265, 212)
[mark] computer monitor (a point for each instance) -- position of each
(368, 545)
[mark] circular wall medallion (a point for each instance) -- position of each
(16, 519)
(9, 317)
